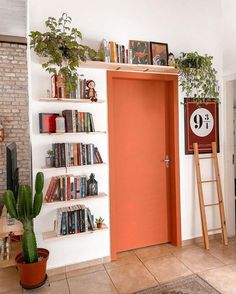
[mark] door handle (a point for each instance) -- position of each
(167, 161)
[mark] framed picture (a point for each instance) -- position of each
(140, 52)
(159, 53)
(201, 125)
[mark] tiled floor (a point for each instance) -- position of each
(139, 269)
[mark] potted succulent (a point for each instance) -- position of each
(197, 76)
(99, 221)
(31, 262)
(60, 44)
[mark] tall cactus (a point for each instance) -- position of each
(25, 210)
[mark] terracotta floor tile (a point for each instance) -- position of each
(167, 268)
(10, 272)
(128, 257)
(51, 288)
(222, 278)
(224, 253)
(93, 283)
(14, 292)
(197, 259)
(155, 251)
(9, 284)
(58, 277)
(86, 270)
(131, 278)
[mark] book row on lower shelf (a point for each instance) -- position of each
(75, 154)
(69, 187)
(74, 219)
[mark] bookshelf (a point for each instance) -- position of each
(71, 134)
(67, 100)
(53, 169)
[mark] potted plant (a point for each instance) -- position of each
(60, 44)
(197, 76)
(32, 261)
(99, 221)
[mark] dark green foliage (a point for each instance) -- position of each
(197, 76)
(61, 45)
(25, 210)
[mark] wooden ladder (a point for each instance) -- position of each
(201, 197)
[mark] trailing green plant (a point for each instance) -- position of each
(99, 220)
(61, 45)
(197, 76)
(25, 210)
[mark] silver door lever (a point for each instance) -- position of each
(167, 161)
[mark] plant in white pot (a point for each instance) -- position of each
(31, 262)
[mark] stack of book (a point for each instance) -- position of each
(76, 121)
(73, 220)
(114, 52)
(66, 188)
(73, 154)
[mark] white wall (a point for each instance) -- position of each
(186, 25)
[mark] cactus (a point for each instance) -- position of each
(25, 210)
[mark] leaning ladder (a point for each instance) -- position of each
(201, 197)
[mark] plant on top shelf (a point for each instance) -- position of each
(99, 221)
(25, 210)
(197, 76)
(61, 45)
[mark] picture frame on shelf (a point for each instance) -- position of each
(140, 51)
(159, 53)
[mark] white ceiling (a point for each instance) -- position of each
(13, 17)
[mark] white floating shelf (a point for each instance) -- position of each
(71, 167)
(75, 201)
(67, 100)
(130, 67)
(50, 236)
(75, 133)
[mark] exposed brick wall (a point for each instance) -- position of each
(14, 109)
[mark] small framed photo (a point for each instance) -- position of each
(159, 53)
(140, 52)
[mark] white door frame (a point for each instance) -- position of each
(228, 148)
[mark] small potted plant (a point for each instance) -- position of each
(50, 158)
(99, 221)
(197, 76)
(32, 261)
(60, 44)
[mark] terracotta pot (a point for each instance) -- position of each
(33, 275)
(99, 226)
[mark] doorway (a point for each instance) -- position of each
(144, 160)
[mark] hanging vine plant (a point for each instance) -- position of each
(197, 76)
(62, 47)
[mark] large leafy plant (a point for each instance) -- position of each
(60, 44)
(25, 210)
(197, 76)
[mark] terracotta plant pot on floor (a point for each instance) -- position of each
(33, 275)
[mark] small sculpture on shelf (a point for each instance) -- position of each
(92, 186)
(171, 59)
(99, 221)
(90, 92)
(50, 159)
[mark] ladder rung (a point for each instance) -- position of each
(209, 181)
(212, 230)
(213, 204)
(209, 157)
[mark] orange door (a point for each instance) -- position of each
(139, 178)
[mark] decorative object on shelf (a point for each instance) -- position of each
(49, 159)
(61, 45)
(47, 122)
(201, 125)
(159, 53)
(99, 221)
(92, 185)
(197, 76)
(32, 262)
(140, 52)
(171, 59)
(1, 132)
(90, 92)
(60, 124)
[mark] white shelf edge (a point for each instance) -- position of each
(67, 100)
(51, 235)
(71, 167)
(74, 133)
(75, 201)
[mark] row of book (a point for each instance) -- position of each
(58, 88)
(66, 188)
(74, 219)
(73, 154)
(114, 52)
(76, 121)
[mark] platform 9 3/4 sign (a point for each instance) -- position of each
(201, 125)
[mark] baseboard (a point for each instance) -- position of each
(198, 240)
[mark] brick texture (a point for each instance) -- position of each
(14, 110)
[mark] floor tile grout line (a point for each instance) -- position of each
(110, 279)
(183, 263)
(68, 284)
